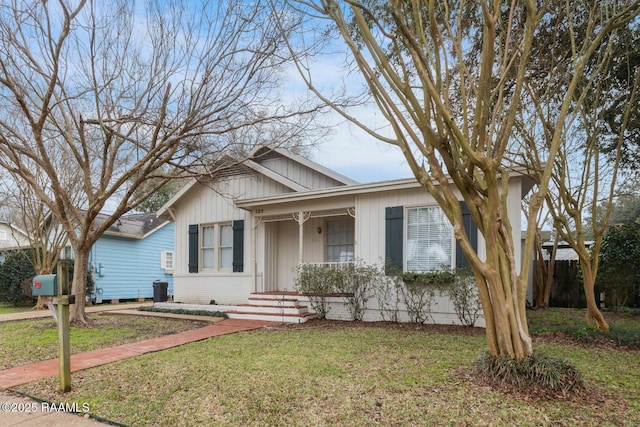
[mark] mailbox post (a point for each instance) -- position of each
(63, 300)
(57, 286)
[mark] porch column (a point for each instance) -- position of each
(301, 217)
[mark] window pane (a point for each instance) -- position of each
(226, 258)
(429, 239)
(339, 232)
(208, 234)
(339, 241)
(226, 235)
(208, 258)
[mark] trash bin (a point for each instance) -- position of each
(160, 291)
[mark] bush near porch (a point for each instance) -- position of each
(408, 296)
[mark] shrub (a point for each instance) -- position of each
(418, 298)
(419, 291)
(317, 282)
(617, 272)
(184, 311)
(535, 371)
(15, 277)
(388, 294)
(357, 280)
(463, 294)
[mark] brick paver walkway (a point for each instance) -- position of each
(25, 374)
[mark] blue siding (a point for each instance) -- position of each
(130, 266)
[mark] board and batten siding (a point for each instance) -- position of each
(126, 268)
(370, 219)
(299, 173)
(212, 205)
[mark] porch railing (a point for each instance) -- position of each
(336, 264)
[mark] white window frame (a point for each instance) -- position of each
(225, 246)
(351, 243)
(217, 247)
(167, 260)
(204, 248)
(406, 240)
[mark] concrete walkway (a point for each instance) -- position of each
(17, 410)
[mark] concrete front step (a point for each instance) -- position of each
(272, 308)
(275, 306)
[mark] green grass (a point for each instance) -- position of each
(29, 341)
(624, 327)
(344, 374)
(6, 308)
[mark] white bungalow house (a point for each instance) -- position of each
(240, 235)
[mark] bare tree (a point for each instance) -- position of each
(452, 110)
(29, 213)
(99, 96)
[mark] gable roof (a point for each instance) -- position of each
(261, 152)
(135, 226)
(15, 238)
(254, 164)
(14, 228)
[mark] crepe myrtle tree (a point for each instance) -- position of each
(448, 79)
(96, 97)
(599, 133)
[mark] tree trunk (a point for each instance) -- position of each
(540, 280)
(594, 316)
(39, 304)
(544, 276)
(507, 332)
(79, 285)
(502, 292)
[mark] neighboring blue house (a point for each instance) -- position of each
(133, 253)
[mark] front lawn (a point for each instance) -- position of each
(7, 308)
(344, 374)
(29, 341)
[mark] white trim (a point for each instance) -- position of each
(347, 190)
(275, 176)
(164, 264)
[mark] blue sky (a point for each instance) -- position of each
(351, 152)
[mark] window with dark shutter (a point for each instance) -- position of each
(238, 246)
(193, 248)
(393, 239)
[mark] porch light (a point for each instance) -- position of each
(319, 230)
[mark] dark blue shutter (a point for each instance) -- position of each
(471, 230)
(393, 239)
(238, 246)
(193, 248)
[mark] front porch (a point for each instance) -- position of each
(284, 241)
